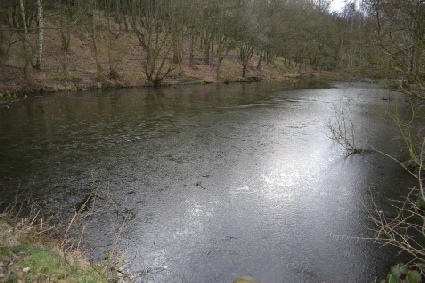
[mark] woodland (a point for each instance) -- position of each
(78, 44)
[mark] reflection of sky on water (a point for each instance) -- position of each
(288, 198)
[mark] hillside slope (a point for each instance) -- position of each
(77, 68)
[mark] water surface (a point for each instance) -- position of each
(212, 182)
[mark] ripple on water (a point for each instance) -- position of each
(219, 181)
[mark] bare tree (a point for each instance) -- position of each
(177, 21)
(400, 26)
(148, 23)
(113, 9)
(342, 129)
(91, 24)
(246, 52)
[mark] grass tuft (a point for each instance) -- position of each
(26, 256)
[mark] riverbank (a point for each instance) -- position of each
(118, 62)
(13, 82)
(29, 253)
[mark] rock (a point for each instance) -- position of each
(245, 279)
(26, 269)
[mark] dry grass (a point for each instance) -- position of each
(33, 251)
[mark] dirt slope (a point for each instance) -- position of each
(77, 69)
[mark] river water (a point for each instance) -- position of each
(207, 183)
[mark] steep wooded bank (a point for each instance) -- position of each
(76, 44)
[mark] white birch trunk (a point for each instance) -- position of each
(21, 4)
(24, 21)
(40, 33)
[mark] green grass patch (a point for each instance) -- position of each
(25, 258)
(4, 252)
(19, 249)
(49, 264)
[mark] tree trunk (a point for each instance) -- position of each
(207, 50)
(64, 29)
(25, 41)
(192, 46)
(40, 34)
(177, 46)
(113, 74)
(218, 74)
(96, 55)
(260, 61)
(245, 54)
(24, 18)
